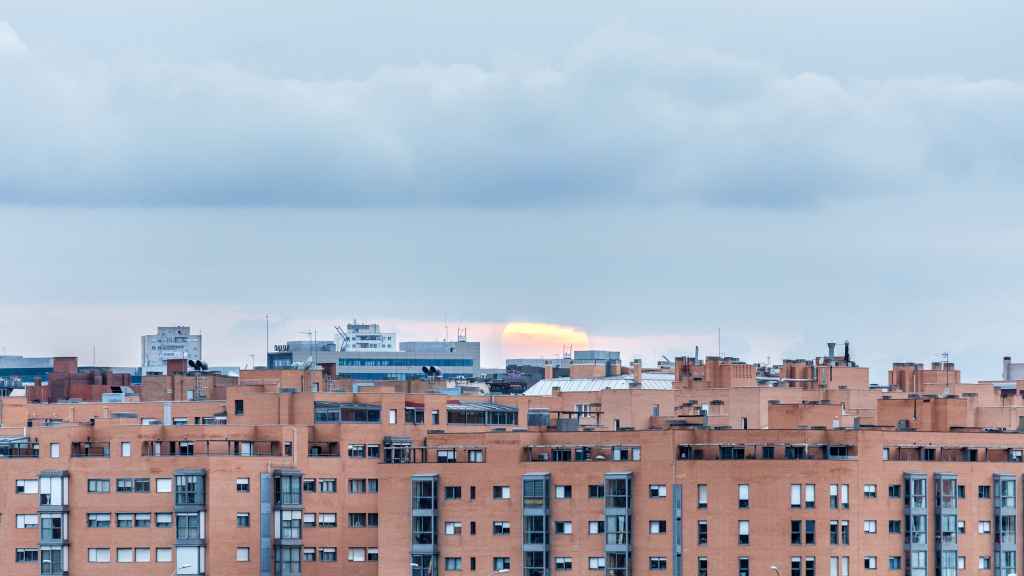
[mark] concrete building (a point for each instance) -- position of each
(169, 342)
(362, 337)
(280, 477)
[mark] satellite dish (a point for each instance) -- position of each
(426, 371)
(192, 364)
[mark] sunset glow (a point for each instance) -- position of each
(527, 339)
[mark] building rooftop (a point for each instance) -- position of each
(648, 381)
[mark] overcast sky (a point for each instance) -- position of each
(788, 172)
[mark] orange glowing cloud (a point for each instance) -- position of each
(537, 339)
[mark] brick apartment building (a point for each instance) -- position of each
(727, 470)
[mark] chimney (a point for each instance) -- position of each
(1006, 368)
(177, 366)
(330, 369)
(846, 352)
(549, 370)
(831, 350)
(681, 368)
(65, 365)
(637, 373)
(615, 367)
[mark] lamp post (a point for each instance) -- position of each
(776, 570)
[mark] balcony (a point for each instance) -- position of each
(90, 449)
(766, 451)
(580, 453)
(19, 447)
(324, 449)
(434, 455)
(243, 448)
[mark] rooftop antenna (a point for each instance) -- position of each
(445, 326)
(268, 334)
(719, 343)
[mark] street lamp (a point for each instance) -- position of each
(776, 570)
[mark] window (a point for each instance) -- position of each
(870, 562)
(241, 554)
(657, 563)
(125, 484)
(188, 526)
(563, 492)
(595, 491)
(97, 520)
(163, 554)
(435, 417)
(309, 484)
(894, 527)
(744, 566)
(895, 562)
(502, 564)
(357, 554)
(809, 531)
(26, 486)
(309, 520)
(500, 528)
(563, 527)
(702, 495)
(453, 528)
(141, 485)
(163, 485)
(26, 555)
(330, 485)
(501, 492)
(163, 520)
(452, 492)
(242, 485)
(98, 486)
(125, 519)
(239, 407)
(453, 563)
(142, 554)
(894, 490)
(563, 563)
(871, 491)
(961, 562)
(702, 566)
(99, 555)
(984, 491)
(744, 495)
(796, 532)
(702, 532)
(595, 527)
(595, 563)
(657, 491)
(309, 554)
(809, 495)
(656, 526)
(795, 565)
(744, 532)
(126, 555)
(27, 521)
(54, 450)
(126, 449)
(330, 519)
(984, 527)
(870, 527)
(795, 495)
(984, 562)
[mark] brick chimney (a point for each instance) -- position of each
(638, 373)
(549, 370)
(177, 366)
(330, 369)
(65, 365)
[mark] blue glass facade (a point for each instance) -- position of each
(405, 362)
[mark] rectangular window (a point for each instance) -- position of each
(501, 492)
(242, 519)
(871, 491)
(702, 532)
(501, 528)
(595, 491)
(984, 527)
(452, 492)
(125, 485)
(164, 520)
(702, 495)
(895, 562)
(141, 485)
(984, 491)
(870, 527)
(329, 485)
(97, 520)
(744, 495)
(330, 519)
(241, 554)
(309, 484)
(502, 564)
(562, 563)
(98, 486)
(26, 486)
(894, 527)
(744, 566)
(54, 450)
(809, 532)
(595, 527)
(27, 521)
(125, 555)
(702, 566)
(795, 495)
(563, 527)
(164, 554)
(239, 407)
(125, 519)
(744, 532)
(99, 555)
(809, 495)
(241, 485)
(894, 490)
(164, 485)
(563, 492)
(26, 555)
(595, 563)
(657, 491)
(795, 566)
(984, 562)
(796, 532)
(453, 528)
(657, 563)
(870, 562)
(126, 449)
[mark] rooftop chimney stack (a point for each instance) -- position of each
(1006, 368)
(831, 350)
(846, 352)
(549, 370)
(637, 372)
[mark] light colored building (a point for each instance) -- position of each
(361, 337)
(169, 343)
(458, 359)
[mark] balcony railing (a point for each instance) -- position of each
(19, 450)
(434, 455)
(324, 449)
(244, 448)
(90, 449)
(727, 451)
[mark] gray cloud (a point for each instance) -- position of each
(616, 117)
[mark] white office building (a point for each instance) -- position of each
(169, 343)
(359, 337)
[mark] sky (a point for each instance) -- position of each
(640, 178)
